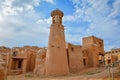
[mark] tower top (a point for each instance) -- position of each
(57, 12)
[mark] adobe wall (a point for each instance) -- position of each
(2, 73)
(40, 62)
(92, 56)
(94, 48)
(75, 58)
(119, 59)
(24, 57)
(85, 57)
(92, 40)
(17, 54)
(2, 68)
(4, 51)
(112, 55)
(109, 58)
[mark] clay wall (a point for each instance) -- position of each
(2, 68)
(112, 56)
(22, 59)
(75, 58)
(40, 62)
(4, 51)
(95, 50)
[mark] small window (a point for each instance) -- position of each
(72, 49)
(82, 51)
(84, 62)
(109, 61)
(100, 44)
(14, 53)
(100, 62)
(53, 21)
(20, 64)
(52, 46)
(60, 20)
(100, 53)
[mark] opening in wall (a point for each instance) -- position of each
(20, 64)
(84, 62)
(72, 49)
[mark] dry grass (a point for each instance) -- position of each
(117, 74)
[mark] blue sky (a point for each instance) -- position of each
(27, 22)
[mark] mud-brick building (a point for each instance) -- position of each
(2, 68)
(118, 56)
(62, 57)
(119, 59)
(112, 56)
(40, 62)
(4, 54)
(93, 47)
(22, 59)
(4, 51)
(89, 54)
(109, 58)
(75, 57)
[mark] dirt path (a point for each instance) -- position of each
(87, 74)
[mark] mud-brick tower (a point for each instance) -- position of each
(56, 57)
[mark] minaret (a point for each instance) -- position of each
(56, 57)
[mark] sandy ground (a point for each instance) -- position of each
(86, 74)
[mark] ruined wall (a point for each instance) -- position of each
(108, 59)
(94, 48)
(22, 59)
(92, 56)
(75, 59)
(31, 52)
(119, 59)
(2, 72)
(92, 40)
(5, 51)
(2, 68)
(85, 57)
(40, 62)
(17, 61)
(112, 56)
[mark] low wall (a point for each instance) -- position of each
(2, 74)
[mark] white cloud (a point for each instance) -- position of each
(21, 25)
(44, 21)
(101, 18)
(69, 18)
(76, 1)
(50, 1)
(23, 31)
(13, 7)
(115, 10)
